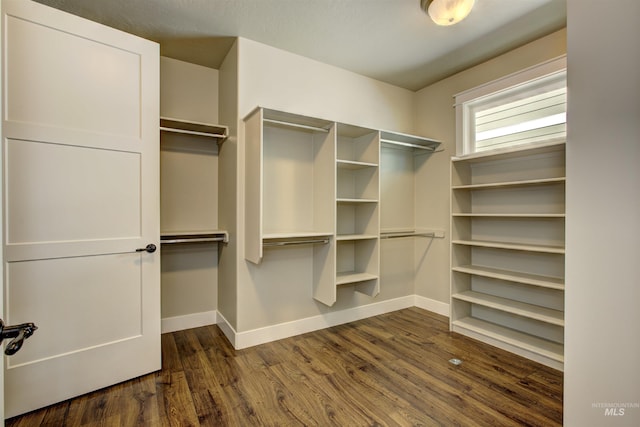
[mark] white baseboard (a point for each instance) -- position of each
(188, 321)
(227, 329)
(435, 306)
(241, 340)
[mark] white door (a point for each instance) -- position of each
(80, 191)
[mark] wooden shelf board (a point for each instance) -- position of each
(296, 234)
(511, 184)
(542, 314)
(512, 152)
(409, 141)
(511, 246)
(513, 276)
(343, 278)
(193, 128)
(348, 200)
(343, 237)
(509, 215)
(351, 164)
(194, 236)
(551, 350)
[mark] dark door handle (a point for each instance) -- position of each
(19, 333)
(151, 248)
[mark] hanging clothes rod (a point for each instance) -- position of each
(296, 125)
(398, 235)
(194, 240)
(295, 242)
(408, 144)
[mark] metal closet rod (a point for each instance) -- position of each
(296, 125)
(193, 240)
(408, 144)
(399, 235)
(296, 242)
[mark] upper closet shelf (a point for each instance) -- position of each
(409, 141)
(206, 130)
(194, 236)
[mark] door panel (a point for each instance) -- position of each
(72, 300)
(39, 212)
(80, 195)
(67, 98)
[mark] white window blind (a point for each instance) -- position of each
(525, 111)
(538, 118)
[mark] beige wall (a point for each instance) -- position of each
(228, 189)
(188, 91)
(279, 289)
(435, 117)
(189, 281)
(602, 337)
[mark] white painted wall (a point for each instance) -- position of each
(280, 80)
(228, 174)
(602, 337)
(188, 91)
(279, 290)
(189, 272)
(435, 116)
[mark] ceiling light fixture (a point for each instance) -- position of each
(447, 12)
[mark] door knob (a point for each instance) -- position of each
(151, 248)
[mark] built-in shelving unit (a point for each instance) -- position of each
(314, 185)
(357, 208)
(189, 235)
(507, 249)
(189, 182)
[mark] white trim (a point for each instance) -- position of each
(534, 72)
(296, 327)
(227, 329)
(188, 321)
(240, 340)
(432, 305)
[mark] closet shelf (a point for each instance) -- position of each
(512, 276)
(530, 311)
(194, 237)
(511, 184)
(400, 234)
(346, 277)
(354, 165)
(296, 235)
(294, 121)
(511, 152)
(296, 242)
(509, 215)
(350, 200)
(511, 246)
(409, 141)
(218, 132)
(345, 237)
(517, 340)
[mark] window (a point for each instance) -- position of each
(528, 107)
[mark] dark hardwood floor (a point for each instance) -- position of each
(389, 370)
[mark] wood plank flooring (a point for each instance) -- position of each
(389, 370)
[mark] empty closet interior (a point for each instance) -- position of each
(189, 233)
(340, 193)
(338, 215)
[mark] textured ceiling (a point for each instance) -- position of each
(389, 40)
